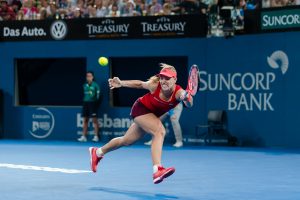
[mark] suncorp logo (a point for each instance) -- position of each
(42, 123)
(58, 30)
(247, 91)
(280, 19)
(279, 59)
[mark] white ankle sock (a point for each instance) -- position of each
(155, 168)
(99, 152)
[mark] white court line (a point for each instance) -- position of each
(46, 169)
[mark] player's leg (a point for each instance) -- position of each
(152, 124)
(162, 118)
(133, 134)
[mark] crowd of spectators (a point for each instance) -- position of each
(279, 3)
(68, 9)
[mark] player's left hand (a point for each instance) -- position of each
(114, 83)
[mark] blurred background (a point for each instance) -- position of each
(247, 52)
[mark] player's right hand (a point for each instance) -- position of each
(114, 82)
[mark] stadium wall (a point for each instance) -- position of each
(254, 78)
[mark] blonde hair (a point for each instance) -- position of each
(155, 78)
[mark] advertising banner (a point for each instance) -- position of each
(254, 79)
(268, 20)
(105, 28)
(280, 19)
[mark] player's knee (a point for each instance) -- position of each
(162, 130)
(159, 133)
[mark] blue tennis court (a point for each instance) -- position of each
(60, 170)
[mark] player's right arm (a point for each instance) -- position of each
(117, 83)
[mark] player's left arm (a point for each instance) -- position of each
(186, 97)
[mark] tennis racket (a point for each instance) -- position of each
(193, 80)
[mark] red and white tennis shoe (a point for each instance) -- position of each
(94, 159)
(162, 173)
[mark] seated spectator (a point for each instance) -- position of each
(155, 8)
(92, 11)
(167, 9)
(101, 9)
(30, 11)
(6, 12)
(63, 13)
(46, 6)
(143, 9)
(43, 14)
(128, 9)
(114, 12)
(77, 13)
(51, 10)
(83, 6)
(20, 15)
(139, 6)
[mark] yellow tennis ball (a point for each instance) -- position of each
(103, 61)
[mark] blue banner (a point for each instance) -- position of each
(253, 78)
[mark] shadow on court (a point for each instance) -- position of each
(136, 194)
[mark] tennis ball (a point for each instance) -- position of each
(103, 61)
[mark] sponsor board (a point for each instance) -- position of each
(280, 19)
(249, 91)
(42, 123)
(103, 28)
(109, 126)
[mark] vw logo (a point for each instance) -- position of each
(58, 30)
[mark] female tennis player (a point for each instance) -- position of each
(163, 95)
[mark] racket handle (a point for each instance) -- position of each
(186, 96)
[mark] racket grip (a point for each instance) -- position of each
(186, 96)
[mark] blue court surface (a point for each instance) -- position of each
(60, 171)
